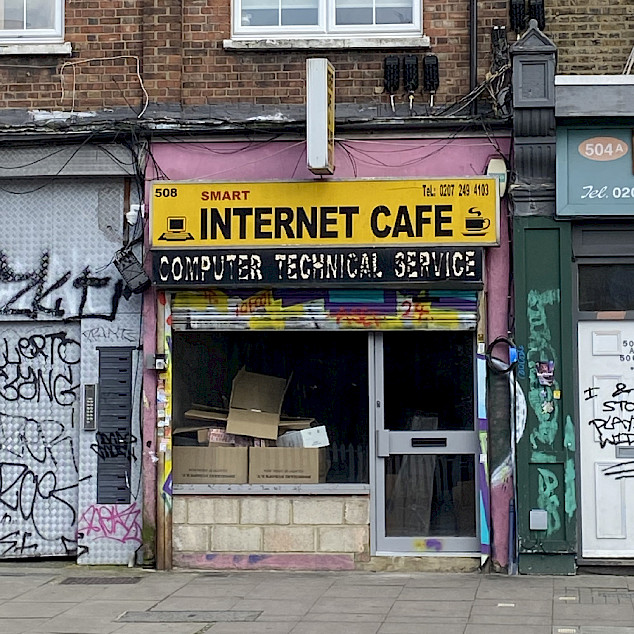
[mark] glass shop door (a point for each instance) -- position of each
(424, 410)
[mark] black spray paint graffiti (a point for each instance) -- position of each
(38, 487)
(109, 333)
(616, 426)
(39, 368)
(114, 444)
(34, 293)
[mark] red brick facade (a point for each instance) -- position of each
(178, 47)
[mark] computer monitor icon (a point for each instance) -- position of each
(176, 226)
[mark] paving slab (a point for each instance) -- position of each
(36, 609)
(272, 627)
(338, 617)
(505, 629)
(452, 580)
(517, 607)
(421, 628)
(325, 628)
(274, 606)
(360, 591)
(354, 605)
(17, 626)
(438, 594)
(594, 614)
(195, 603)
(86, 624)
(454, 609)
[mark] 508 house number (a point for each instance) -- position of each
(590, 191)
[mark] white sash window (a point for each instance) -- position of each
(24, 21)
(314, 18)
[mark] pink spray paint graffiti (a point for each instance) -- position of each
(118, 522)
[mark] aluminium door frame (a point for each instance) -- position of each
(457, 546)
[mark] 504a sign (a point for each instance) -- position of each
(449, 212)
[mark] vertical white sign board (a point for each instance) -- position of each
(320, 116)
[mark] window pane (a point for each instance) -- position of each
(428, 381)
(394, 12)
(430, 495)
(13, 14)
(260, 13)
(606, 287)
(354, 12)
(40, 14)
(300, 12)
(328, 383)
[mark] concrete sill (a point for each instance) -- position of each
(272, 489)
(327, 43)
(36, 49)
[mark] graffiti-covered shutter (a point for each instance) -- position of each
(39, 458)
(338, 309)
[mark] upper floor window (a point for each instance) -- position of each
(332, 18)
(25, 21)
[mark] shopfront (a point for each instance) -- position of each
(323, 402)
(595, 190)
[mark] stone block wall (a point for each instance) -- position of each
(260, 531)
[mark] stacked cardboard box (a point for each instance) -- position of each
(238, 445)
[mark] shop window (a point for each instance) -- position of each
(26, 21)
(329, 18)
(327, 377)
(606, 287)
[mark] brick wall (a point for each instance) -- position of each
(593, 36)
(179, 45)
(300, 532)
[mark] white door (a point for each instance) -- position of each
(606, 410)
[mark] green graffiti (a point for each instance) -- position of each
(570, 496)
(547, 499)
(540, 456)
(569, 434)
(540, 348)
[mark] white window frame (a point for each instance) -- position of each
(326, 27)
(37, 36)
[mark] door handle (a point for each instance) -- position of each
(429, 442)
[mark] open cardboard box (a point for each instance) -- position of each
(256, 404)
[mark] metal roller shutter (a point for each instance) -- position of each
(321, 309)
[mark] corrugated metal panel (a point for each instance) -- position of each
(66, 160)
(114, 443)
(308, 309)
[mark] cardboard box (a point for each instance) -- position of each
(311, 437)
(209, 465)
(283, 465)
(256, 404)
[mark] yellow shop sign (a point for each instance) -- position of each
(441, 211)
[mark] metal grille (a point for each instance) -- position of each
(114, 442)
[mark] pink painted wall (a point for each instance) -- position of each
(380, 158)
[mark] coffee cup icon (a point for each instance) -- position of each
(476, 224)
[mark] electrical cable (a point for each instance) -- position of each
(59, 171)
(495, 364)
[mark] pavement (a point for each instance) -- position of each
(63, 598)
